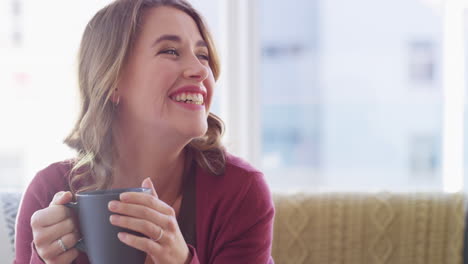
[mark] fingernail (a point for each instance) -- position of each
(113, 205)
(114, 219)
(123, 196)
(145, 182)
(122, 236)
(59, 195)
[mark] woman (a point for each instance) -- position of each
(147, 70)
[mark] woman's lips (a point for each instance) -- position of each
(191, 97)
(189, 90)
(190, 105)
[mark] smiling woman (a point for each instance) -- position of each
(147, 73)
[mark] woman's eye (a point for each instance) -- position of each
(203, 57)
(170, 52)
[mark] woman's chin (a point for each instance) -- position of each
(196, 132)
(200, 133)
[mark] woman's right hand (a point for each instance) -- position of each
(52, 224)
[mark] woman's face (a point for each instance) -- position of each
(167, 84)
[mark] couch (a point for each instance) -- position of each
(369, 228)
(344, 228)
(9, 202)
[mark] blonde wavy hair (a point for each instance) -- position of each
(105, 45)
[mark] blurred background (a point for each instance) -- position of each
(320, 95)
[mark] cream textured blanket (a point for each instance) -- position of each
(364, 228)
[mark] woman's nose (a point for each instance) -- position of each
(195, 69)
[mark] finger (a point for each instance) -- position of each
(49, 216)
(147, 200)
(53, 250)
(139, 225)
(141, 212)
(142, 243)
(61, 198)
(62, 228)
(49, 234)
(69, 241)
(147, 183)
(56, 197)
(67, 257)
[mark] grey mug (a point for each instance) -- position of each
(100, 241)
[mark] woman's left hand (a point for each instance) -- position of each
(156, 220)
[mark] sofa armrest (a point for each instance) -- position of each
(9, 203)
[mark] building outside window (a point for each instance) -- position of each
(338, 111)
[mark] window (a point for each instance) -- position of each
(16, 15)
(338, 112)
(421, 67)
(424, 157)
(465, 121)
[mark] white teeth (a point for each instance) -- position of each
(189, 98)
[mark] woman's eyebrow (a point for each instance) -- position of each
(175, 38)
(202, 43)
(162, 38)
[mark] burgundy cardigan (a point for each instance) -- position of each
(233, 218)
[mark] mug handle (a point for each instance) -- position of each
(72, 205)
(80, 245)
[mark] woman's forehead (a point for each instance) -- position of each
(160, 21)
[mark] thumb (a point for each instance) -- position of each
(61, 198)
(147, 183)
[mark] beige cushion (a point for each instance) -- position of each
(416, 228)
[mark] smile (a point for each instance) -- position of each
(189, 98)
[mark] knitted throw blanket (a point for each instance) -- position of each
(362, 228)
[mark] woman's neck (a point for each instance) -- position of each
(143, 156)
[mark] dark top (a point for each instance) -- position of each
(187, 211)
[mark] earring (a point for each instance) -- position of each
(116, 102)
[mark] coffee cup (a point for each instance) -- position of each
(100, 241)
